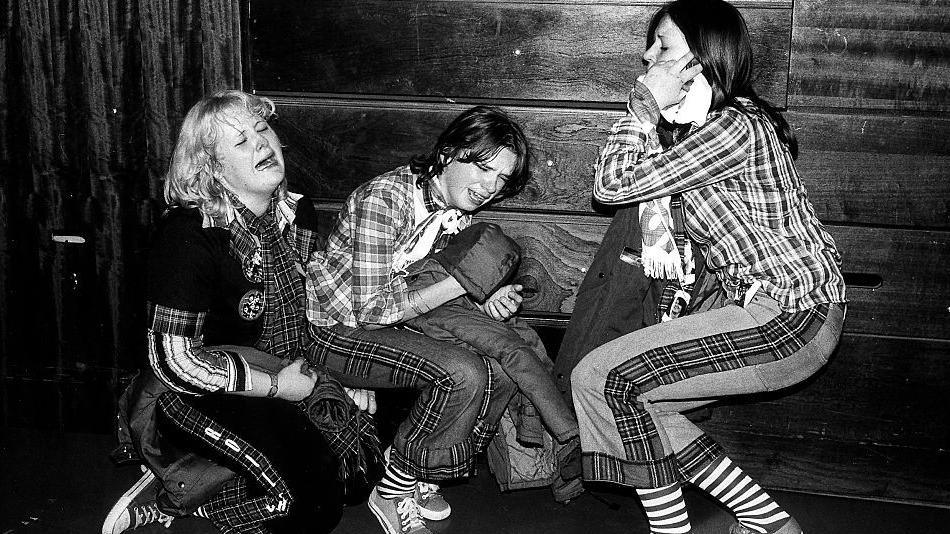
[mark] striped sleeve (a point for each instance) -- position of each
(177, 356)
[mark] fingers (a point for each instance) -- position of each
(681, 63)
(364, 399)
(371, 404)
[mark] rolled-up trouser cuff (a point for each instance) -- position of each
(600, 467)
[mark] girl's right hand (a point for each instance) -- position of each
(666, 80)
(293, 384)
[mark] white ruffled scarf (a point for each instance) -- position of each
(661, 258)
(429, 227)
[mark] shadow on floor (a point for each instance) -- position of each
(64, 483)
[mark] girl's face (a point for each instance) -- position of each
(669, 43)
(250, 155)
(469, 186)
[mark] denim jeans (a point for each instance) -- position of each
(630, 393)
(461, 395)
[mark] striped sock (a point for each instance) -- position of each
(395, 484)
(201, 512)
(753, 507)
(666, 509)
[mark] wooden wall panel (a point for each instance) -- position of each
(580, 51)
(912, 299)
(888, 54)
(855, 397)
(854, 428)
(910, 266)
(847, 468)
(859, 168)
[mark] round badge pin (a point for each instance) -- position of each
(251, 305)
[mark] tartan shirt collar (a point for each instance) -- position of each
(284, 211)
(429, 199)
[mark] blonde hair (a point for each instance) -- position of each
(192, 178)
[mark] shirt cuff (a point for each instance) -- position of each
(642, 105)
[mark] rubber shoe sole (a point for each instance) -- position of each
(380, 515)
(122, 505)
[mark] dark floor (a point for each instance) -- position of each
(64, 483)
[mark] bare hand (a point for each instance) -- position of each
(365, 399)
(667, 80)
(503, 303)
(293, 383)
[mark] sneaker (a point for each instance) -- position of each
(136, 507)
(790, 527)
(399, 515)
(432, 505)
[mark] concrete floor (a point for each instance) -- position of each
(53, 482)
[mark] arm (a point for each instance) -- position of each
(631, 168)
(183, 270)
(428, 298)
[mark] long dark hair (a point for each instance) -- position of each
(477, 135)
(719, 39)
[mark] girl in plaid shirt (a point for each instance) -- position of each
(746, 207)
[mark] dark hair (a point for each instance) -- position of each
(719, 39)
(475, 136)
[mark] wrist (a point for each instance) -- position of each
(642, 104)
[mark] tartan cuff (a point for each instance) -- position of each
(175, 322)
(642, 105)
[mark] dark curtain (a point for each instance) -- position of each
(91, 95)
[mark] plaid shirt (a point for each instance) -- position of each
(745, 203)
(175, 337)
(352, 281)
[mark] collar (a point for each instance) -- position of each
(429, 200)
(281, 211)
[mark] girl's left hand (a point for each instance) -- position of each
(667, 80)
(503, 303)
(365, 399)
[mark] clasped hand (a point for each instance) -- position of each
(668, 80)
(295, 381)
(503, 303)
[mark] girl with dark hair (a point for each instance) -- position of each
(361, 299)
(776, 267)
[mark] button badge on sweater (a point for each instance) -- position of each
(251, 305)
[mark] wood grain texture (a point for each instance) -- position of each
(847, 468)
(581, 51)
(889, 54)
(861, 168)
(913, 298)
(873, 390)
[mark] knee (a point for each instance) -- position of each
(502, 384)
(466, 375)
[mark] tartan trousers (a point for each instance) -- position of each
(630, 393)
(462, 395)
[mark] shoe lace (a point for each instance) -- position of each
(149, 513)
(409, 518)
(427, 490)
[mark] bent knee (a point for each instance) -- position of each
(466, 374)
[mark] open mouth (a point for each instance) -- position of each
(477, 198)
(267, 163)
